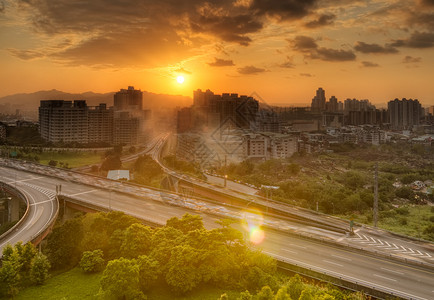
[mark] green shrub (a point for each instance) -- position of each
(92, 261)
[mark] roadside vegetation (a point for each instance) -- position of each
(341, 183)
(113, 256)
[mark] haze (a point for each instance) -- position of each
(281, 50)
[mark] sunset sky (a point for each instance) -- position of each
(282, 50)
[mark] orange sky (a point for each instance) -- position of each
(282, 50)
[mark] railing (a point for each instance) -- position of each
(17, 193)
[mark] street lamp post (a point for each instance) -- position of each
(226, 177)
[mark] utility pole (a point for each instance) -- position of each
(376, 195)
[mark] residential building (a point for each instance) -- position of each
(128, 99)
(64, 121)
(100, 122)
(404, 114)
(319, 101)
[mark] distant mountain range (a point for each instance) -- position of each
(28, 103)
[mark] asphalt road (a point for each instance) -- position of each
(42, 208)
(397, 278)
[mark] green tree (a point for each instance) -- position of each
(111, 162)
(63, 245)
(245, 296)
(265, 293)
(136, 241)
(120, 279)
(92, 261)
(39, 269)
(186, 223)
(28, 253)
(307, 294)
(295, 286)
(8, 250)
(146, 169)
(182, 274)
(149, 271)
(10, 275)
(282, 294)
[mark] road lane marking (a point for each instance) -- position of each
(302, 247)
(400, 273)
(290, 251)
(387, 278)
(333, 263)
(82, 193)
(37, 203)
(341, 257)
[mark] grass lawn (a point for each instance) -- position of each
(75, 285)
(71, 285)
(410, 221)
(161, 292)
(74, 159)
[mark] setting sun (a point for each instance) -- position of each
(180, 79)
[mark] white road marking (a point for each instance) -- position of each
(333, 263)
(290, 251)
(341, 257)
(387, 278)
(400, 273)
(82, 193)
(302, 247)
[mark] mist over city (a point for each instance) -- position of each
(242, 149)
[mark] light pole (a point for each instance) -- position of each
(226, 177)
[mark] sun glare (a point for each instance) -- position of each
(180, 79)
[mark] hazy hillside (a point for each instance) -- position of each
(28, 103)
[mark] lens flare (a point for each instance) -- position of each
(257, 235)
(252, 221)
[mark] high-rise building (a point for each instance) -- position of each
(319, 101)
(126, 129)
(75, 122)
(100, 122)
(128, 99)
(64, 121)
(404, 114)
(333, 104)
(208, 107)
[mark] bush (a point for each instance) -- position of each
(403, 211)
(92, 261)
(39, 269)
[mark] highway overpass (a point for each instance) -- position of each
(286, 242)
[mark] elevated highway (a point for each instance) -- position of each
(283, 240)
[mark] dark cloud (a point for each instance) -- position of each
(288, 63)
(303, 43)
(250, 70)
(428, 2)
(368, 64)
(26, 54)
(139, 32)
(410, 59)
(306, 75)
(328, 54)
(219, 62)
(374, 48)
(416, 40)
(310, 49)
(283, 10)
(323, 20)
(228, 28)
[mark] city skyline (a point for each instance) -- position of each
(281, 50)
